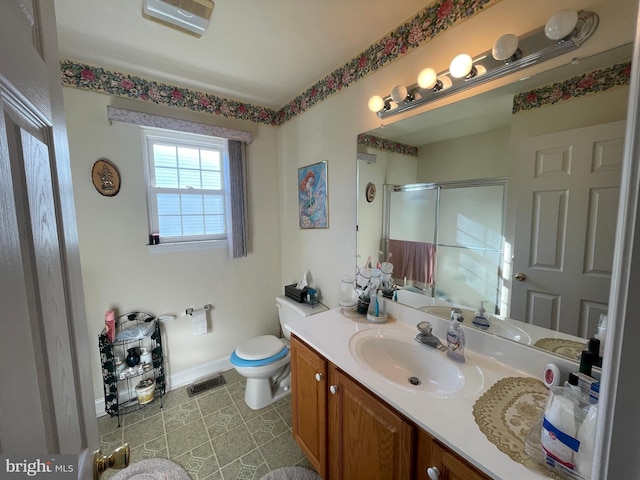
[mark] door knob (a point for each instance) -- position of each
(521, 277)
(333, 389)
(433, 472)
(118, 459)
(319, 377)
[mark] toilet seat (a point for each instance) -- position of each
(259, 351)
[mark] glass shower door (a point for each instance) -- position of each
(470, 244)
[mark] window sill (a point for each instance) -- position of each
(186, 246)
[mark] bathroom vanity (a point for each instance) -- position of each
(355, 421)
(347, 432)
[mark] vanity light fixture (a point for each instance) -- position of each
(563, 33)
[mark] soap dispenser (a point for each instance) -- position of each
(455, 340)
(481, 319)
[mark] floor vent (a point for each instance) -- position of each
(205, 385)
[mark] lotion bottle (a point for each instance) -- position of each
(455, 340)
(481, 319)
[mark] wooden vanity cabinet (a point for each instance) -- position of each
(367, 439)
(309, 403)
(348, 433)
(430, 453)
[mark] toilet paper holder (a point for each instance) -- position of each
(207, 307)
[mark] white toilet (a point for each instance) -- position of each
(265, 360)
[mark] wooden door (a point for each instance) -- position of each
(46, 397)
(309, 403)
(367, 439)
(567, 190)
(451, 467)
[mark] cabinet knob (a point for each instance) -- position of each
(333, 389)
(319, 377)
(433, 472)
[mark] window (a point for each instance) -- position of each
(186, 186)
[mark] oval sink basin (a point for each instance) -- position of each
(497, 326)
(394, 354)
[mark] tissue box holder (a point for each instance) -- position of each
(295, 293)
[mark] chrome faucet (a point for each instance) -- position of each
(426, 337)
(456, 314)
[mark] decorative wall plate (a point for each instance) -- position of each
(105, 177)
(370, 192)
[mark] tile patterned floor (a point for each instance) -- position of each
(213, 435)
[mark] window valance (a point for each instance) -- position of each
(115, 114)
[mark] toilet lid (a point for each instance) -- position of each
(261, 347)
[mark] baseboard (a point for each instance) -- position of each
(184, 378)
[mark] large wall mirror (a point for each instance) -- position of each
(515, 190)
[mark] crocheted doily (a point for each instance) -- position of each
(508, 411)
(559, 346)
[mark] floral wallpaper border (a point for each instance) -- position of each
(99, 79)
(379, 143)
(578, 86)
(426, 25)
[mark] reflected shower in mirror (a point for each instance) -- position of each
(555, 142)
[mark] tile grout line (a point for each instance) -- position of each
(244, 422)
(209, 437)
(164, 428)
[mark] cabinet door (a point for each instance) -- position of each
(451, 467)
(309, 403)
(367, 439)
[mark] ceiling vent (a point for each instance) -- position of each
(190, 15)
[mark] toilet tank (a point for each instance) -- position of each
(289, 310)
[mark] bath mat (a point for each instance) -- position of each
(508, 411)
(565, 348)
(152, 469)
(292, 473)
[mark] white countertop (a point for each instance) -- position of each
(450, 420)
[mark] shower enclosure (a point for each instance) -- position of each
(462, 225)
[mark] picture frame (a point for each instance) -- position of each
(312, 196)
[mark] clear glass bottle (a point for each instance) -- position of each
(455, 341)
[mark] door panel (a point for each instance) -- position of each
(567, 190)
(19, 345)
(309, 403)
(49, 406)
(377, 439)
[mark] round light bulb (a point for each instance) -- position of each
(427, 78)
(399, 93)
(461, 66)
(561, 24)
(376, 103)
(445, 82)
(505, 47)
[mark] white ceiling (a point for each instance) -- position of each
(264, 52)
